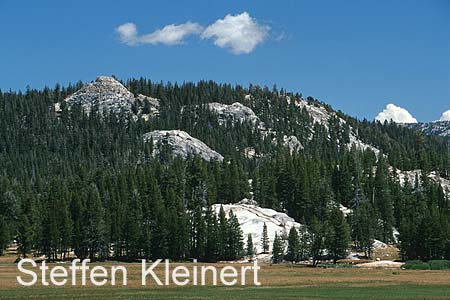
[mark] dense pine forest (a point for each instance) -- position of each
(88, 184)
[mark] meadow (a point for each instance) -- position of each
(278, 282)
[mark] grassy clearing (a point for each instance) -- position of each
(278, 282)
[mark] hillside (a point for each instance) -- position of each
(125, 170)
(439, 128)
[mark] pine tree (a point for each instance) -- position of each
(383, 201)
(24, 236)
(4, 236)
(293, 245)
(318, 232)
(198, 235)
(211, 234)
(64, 224)
(250, 247)
(235, 239)
(77, 210)
(265, 240)
(304, 243)
(364, 225)
(338, 235)
(159, 232)
(133, 226)
(94, 226)
(277, 250)
(222, 241)
(50, 236)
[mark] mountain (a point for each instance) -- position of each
(109, 96)
(147, 163)
(439, 128)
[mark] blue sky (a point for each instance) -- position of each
(357, 56)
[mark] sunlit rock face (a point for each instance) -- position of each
(180, 144)
(109, 96)
(235, 112)
(440, 128)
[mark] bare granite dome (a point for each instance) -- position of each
(252, 218)
(181, 144)
(109, 95)
(292, 143)
(237, 112)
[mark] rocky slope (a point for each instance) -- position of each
(239, 113)
(109, 95)
(180, 144)
(235, 112)
(410, 177)
(251, 217)
(322, 116)
(440, 128)
(292, 143)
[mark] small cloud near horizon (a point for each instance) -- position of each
(240, 33)
(394, 113)
(445, 116)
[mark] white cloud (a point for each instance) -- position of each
(396, 114)
(240, 33)
(127, 33)
(445, 116)
(169, 35)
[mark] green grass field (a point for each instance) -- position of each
(278, 282)
(328, 291)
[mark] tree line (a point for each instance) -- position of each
(88, 184)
